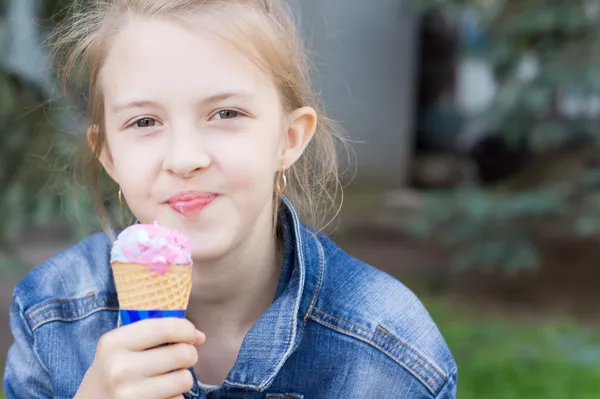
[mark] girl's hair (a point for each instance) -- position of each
(262, 29)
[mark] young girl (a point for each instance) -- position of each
(201, 112)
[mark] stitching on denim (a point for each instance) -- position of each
(401, 343)
(74, 309)
(83, 316)
(408, 351)
(297, 302)
(433, 388)
(294, 330)
(343, 321)
(48, 302)
(317, 290)
(446, 384)
(30, 332)
(321, 273)
(232, 384)
(32, 318)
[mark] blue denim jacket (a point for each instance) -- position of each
(337, 328)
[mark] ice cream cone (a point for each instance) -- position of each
(152, 269)
(139, 289)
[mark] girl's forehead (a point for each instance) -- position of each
(162, 58)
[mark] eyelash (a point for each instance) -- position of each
(132, 124)
(238, 114)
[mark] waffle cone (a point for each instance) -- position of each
(138, 289)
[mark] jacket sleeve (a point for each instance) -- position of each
(24, 374)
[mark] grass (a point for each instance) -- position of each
(498, 359)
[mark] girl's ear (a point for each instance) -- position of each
(93, 134)
(301, 129)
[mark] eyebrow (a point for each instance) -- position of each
(212, 99)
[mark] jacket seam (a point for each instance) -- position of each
(317, 290)
(69, 319)
(433, 389)
(36, 316)
(401, 343)
(366, 336)
(52, 304)
(74, 309)
(343, 321)
(59, 301)
(30, 333)
(452, 374)
(293, 340)
(320, 280)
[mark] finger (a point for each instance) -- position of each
(169, 385)
(151, 333)
(162, 360)
(200, 338)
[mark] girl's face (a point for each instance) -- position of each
(196, 133)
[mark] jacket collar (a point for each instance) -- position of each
(274, 337)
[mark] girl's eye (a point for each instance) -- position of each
(227, 114)
(145, 122)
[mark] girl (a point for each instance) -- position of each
(201, 111)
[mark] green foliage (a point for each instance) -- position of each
(40, 176)
(500, 226)
(499, 359)
(562, 39)
(493, 228)
(37, 168)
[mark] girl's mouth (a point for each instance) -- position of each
(191, 203)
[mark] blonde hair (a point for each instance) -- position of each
(262, 29)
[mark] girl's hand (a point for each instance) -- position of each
(131, 362)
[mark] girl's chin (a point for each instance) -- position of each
(208, 253)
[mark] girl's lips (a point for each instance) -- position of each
(191, 203)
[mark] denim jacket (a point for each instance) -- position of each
(337, 328)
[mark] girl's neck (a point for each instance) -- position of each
(230, 294)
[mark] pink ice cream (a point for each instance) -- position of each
(152, 245)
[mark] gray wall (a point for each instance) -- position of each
(365, 62)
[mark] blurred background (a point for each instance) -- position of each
(476, 179)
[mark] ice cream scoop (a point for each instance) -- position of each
(152, 267)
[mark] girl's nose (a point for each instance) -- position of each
(186, 155)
